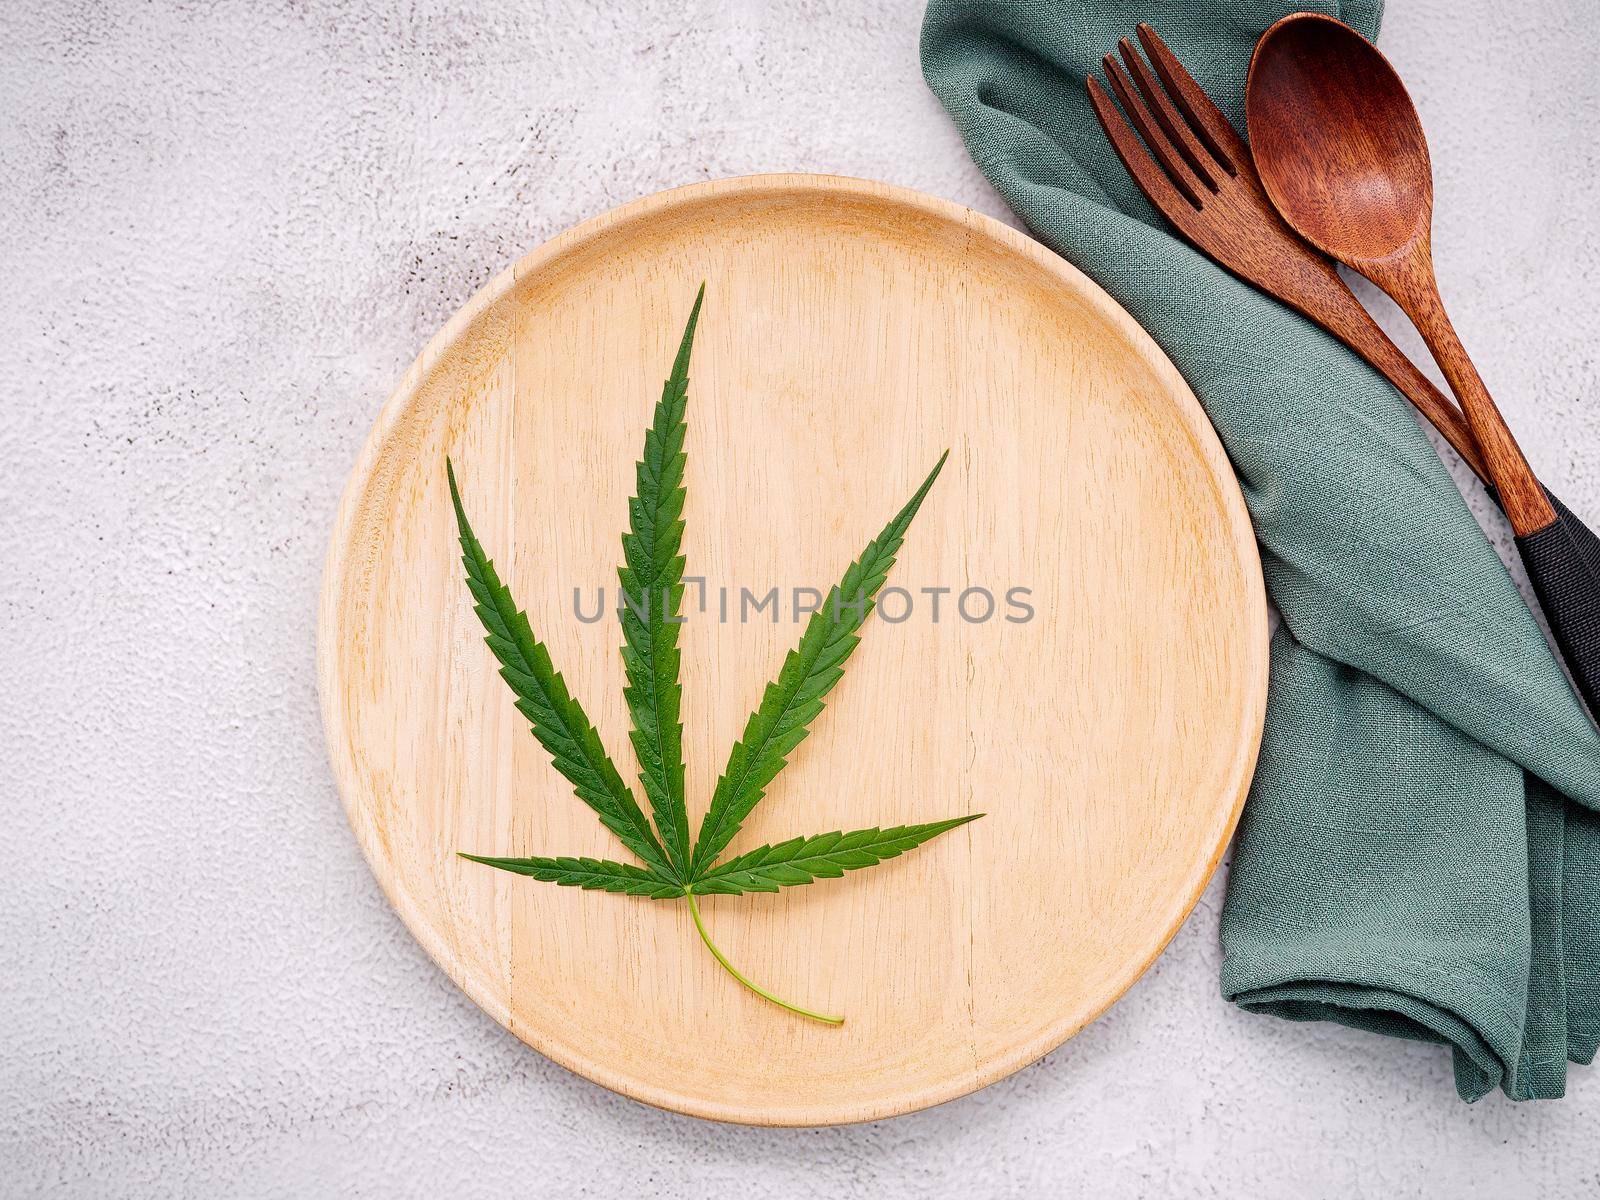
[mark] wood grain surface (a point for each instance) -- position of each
(851, 332)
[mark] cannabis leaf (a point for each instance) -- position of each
(558, 720)
(791, 703)
(825, 856)
(651, 578)
(652, 589)
(596, 874)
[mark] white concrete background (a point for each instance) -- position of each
(225, 228)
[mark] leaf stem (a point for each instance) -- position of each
(694, 911)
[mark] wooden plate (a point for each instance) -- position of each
(851, 332)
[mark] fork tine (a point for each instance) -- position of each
(1214, 129)
(1174, 126)
(1158, 189)
(1161, 149)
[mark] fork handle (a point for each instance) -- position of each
(1342, 314)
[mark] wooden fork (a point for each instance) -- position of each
(1198, 173)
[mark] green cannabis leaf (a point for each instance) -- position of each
(596, 874)
(558, 720)
(651, 578)
(809, 672)
(825, 856)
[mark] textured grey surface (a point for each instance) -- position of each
(227, 227)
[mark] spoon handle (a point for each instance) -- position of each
(1409, 280)
(1560, 553)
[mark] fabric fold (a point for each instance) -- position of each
(1420, 852)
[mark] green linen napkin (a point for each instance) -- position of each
(1420, 852)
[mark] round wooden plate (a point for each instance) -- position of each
(851, 332)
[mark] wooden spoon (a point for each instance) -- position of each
(1342, 156)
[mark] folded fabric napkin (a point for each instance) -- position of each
(1420, 852)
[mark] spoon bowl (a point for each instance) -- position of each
(1342, 157)
(1337, 140)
